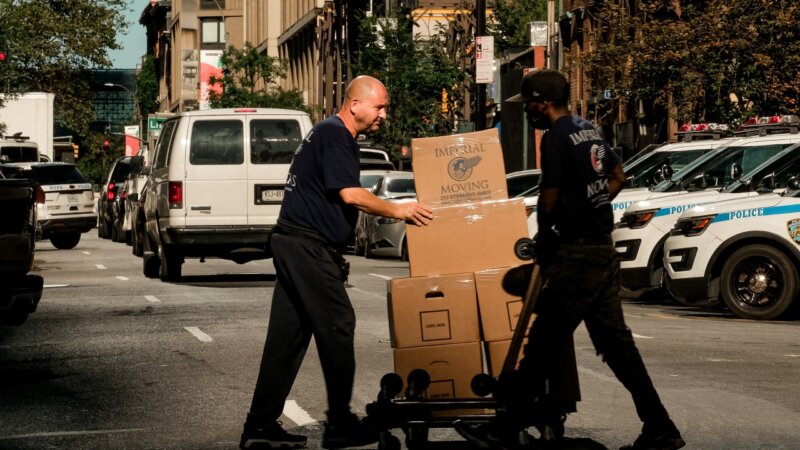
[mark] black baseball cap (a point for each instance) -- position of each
(543, 85)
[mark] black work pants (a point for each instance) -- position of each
(309, 300)
(582, 284)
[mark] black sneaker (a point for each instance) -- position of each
(347, 432)
(271, 436)
(489, 435)
(657, 440)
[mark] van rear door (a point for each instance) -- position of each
(273, 141)
(214, 190)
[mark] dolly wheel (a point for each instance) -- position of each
(391, 385)
(418, 382)
(482, 384)
(523, 248)
(387, 441)
(417, 438)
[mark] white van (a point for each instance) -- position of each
(216, 184)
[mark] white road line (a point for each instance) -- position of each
(152, 299)
(120, 277)
(371, 294)
(598, 375)
(792, 355)
(69, 433)
(87, 253)
(639, 336)
(55, 285)
(198, 334)
(297, 414)
(100, 266)
(381, 276)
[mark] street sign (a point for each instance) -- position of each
(484, 59)
(154, 123)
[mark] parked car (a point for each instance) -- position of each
(216, 185)
(522, 181)
(382, 236)
(127, 211)
(20, 291)
(109, 196)
(68, 209)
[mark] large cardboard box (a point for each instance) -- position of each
(467, 238)
(564, 383)
(451, 367)
(459, 168)
(433, 310)
(499, 310)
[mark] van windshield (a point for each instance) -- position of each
(274, 141)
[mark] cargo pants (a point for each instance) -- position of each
(582, 285)
(309, 300)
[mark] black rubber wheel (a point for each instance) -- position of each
(522, 249)
(170, 267)
(128, 237)
(391, 385)
(404, 251)
(417, 438)
(388, 441)
(103, 229)
(150, 261)
(65, 241)
(759, 282)
(418, 382)
(482, 384)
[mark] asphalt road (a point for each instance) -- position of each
(113, 360)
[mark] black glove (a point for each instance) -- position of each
(545, 246)
(516, 280)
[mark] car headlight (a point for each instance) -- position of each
(636, 219)
(692, 226)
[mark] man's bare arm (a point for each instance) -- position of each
(364, 200)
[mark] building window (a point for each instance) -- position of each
(212, 4)
(213, 31)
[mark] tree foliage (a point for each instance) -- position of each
(250, 79)
(416, 73)
(511, 18)
(147, 87)
(53, 44)
(709, 60)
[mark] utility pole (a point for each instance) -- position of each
(480, 94)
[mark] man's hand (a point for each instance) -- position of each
(413, 212)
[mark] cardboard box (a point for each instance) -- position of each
(459, 168)
(451, 367)
(499, 310)
(564, 382)
(467, 238)
(433, 310)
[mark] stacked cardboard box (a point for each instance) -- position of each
(443, 315)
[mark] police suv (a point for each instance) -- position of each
(749, 167)
(745, 251)
(652, 168)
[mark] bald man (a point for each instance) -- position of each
(318, 216)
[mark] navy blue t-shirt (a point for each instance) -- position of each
(577, 161)
(326, 162)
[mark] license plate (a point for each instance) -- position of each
(268, 194)
(73, 198)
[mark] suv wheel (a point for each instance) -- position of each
(170, 267)
(102, 229)
(759, 282)
(65, 241)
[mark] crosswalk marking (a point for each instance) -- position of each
(381, 276)
(100, 266)
(152, 299)
(297, 414)
(198, 334)
(120, 277)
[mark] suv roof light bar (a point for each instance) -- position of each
(762, 126)
(697, 131)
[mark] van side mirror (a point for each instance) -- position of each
(793, 184)
(145, 171)
(136, 165)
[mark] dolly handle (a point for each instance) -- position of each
(528, 305)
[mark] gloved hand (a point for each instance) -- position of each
(516, 280)
(545, 244)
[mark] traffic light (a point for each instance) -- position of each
(3, 50)
(75, 151)
(106, 144)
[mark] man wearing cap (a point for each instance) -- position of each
(580, 177)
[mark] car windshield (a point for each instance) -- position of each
(719, 168)
(400, 186)
(121, 171)
(522, 183)
(780, 169)
(60, 174)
